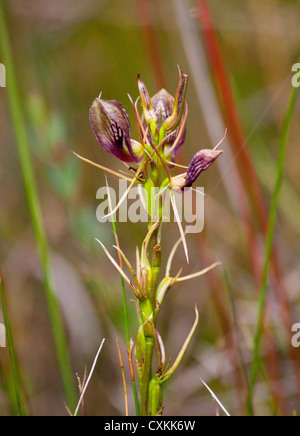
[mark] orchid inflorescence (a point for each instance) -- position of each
(161, 131)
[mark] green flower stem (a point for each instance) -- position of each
(146, 344)
(146, 374)
(147, 314)
(147, 306)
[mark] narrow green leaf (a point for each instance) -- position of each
(17, 115)
(268, 248)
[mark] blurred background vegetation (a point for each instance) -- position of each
(65, 52)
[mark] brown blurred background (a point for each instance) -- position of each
(65, 53)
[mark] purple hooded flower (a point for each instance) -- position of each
(111, 126)
(163, 105)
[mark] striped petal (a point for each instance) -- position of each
(111, 126)
(200, 162)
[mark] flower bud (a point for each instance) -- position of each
(200, 162)
(163, 104)
(111, 126)
(173, 121)
(148, 110)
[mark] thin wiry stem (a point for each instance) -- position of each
(81, 385)
(177, 218)
(199, 273)
(108, 170)
(134, 180)
(222, 140)
(215, 398)
(123, 378)
(176, 164)
(136, 293)
(130, 268)
(89, 377)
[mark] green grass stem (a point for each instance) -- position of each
(35, 212)
(11, 348)
(269, 246)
